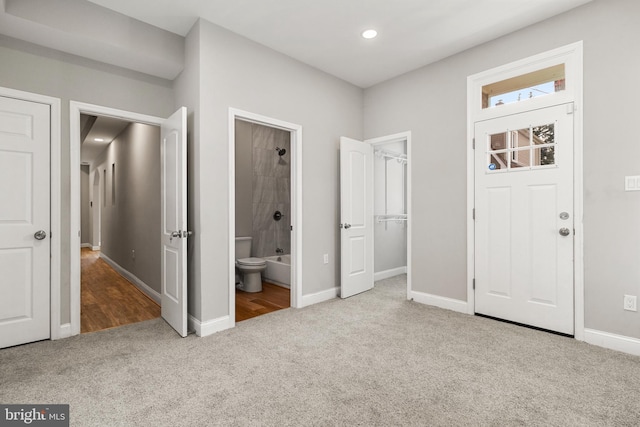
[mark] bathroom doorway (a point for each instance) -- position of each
(264, 215)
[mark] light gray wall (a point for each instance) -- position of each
(85, 205)
(187, 93)
(131, 216)
(431, 102)
(236, 72)
(390, 238)
(35, 69)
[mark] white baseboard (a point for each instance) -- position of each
(614, 342)
(64, 331)
(209, 327)
(86, 245)
(95, 248)
(133, 279)
(381, 275)
(321, 296)
(442, 302)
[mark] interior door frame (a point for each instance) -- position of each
(388, 139)
(75, 109)
(57, 330)
(572, 56)
(296, 204)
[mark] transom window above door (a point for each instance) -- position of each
(546, 81)
(521, 149)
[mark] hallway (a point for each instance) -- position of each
(109, 300)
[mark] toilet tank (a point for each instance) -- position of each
(243, 247)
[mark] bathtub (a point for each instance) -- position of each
(278, 270)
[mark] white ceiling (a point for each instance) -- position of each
(326, 34)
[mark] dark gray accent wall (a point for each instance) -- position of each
(244, 179)
(131, 214)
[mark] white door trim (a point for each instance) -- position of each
(296, 204)
(572, 56)
(397, 137)
(75, 109)
(57, 330)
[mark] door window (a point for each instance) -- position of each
(521, 149)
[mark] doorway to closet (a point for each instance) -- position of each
(375, 224)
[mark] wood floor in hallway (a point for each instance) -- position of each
(272, 298)
(108, 299)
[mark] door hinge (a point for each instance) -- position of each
(291, 227)
(473, 213)
(473, 144)
(474, 283)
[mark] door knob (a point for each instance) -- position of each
(176, 233)
(564, 231)
(40, 235)
(347, 226)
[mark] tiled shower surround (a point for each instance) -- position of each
(271, 190)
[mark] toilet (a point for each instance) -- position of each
(248, 268)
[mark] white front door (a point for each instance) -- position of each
(356, 216)
(173, 139)
(524, 218)
(24, 221)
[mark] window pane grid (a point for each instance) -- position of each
(522, 149)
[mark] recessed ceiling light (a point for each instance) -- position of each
(98, 139)
(369, 34)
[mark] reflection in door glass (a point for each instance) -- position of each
(497, 161)
(545, 134)
(498, 141)
(543, 156)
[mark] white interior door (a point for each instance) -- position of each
(524, 218)
(24, 222)
(356, 217)
(173, 136)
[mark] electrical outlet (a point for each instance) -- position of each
(326, 258)
(630, 303)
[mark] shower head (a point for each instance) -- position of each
(281, 151)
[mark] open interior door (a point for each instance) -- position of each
(356, 216)
(173, 155)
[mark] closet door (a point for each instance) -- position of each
(356, 216)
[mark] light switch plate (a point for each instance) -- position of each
(632, 183)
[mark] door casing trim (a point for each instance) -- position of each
(572, 56)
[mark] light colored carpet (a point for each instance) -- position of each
(373, 359)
